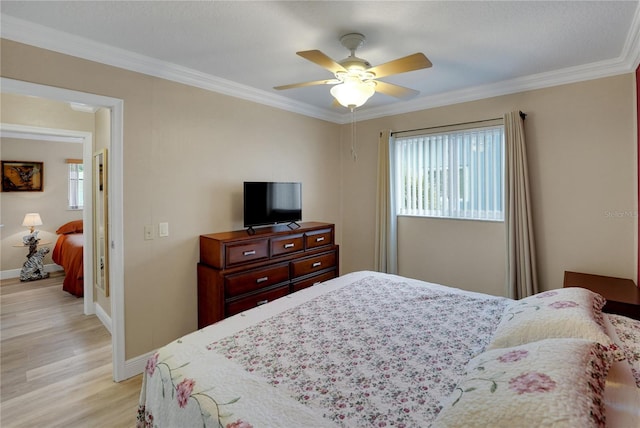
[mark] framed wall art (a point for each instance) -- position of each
(22, 176)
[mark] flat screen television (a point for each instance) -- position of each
(271, 203)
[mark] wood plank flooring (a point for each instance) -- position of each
(55, 362)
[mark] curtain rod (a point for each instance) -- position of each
(522, 115)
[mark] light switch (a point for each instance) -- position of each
(148, 232)
(163, 229)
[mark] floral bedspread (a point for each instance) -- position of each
(373, 353)
(628, 330)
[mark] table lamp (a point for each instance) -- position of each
(31, 220)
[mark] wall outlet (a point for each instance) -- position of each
(148, 232)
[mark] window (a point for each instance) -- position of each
(458, 174)
(76, 184)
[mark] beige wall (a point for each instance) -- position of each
(43, 113)
(582, 152)
(186, 153)
(464, 254)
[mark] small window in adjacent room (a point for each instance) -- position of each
(455, 174)
(76, 184)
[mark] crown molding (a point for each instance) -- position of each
(631, 49)
(40, 137)
(506, 87)
(46, 38)
(43, 37)
(57, 135)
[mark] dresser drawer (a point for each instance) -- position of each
(246, 282)
(245, 252)
(287, 245)
(313, 264)
(319, 238)
(305, 283)
(235, 306)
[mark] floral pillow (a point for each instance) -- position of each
(565, 312)
(553, 382)
(628, 330)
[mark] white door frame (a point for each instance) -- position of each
(115, 186)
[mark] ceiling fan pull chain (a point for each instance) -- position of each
(354, 154)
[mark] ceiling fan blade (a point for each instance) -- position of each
(322, 60)
(416, 61)
(303, 84)
(395, 90)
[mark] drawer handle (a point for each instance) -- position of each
(249, 253)
(262, 302)
(289, 245)
(316, 264)
(263, 279)
(320, 239)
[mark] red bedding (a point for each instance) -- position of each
(68, 254)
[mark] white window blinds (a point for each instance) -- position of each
(76, 184)
(457, 174)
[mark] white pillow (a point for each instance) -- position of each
(553, 382)
(565, 312)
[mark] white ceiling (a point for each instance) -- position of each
(244, 48)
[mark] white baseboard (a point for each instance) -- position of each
(7, 274)
(15, 273)
(103, 317)
(135, 366)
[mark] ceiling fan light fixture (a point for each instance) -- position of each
(355, 79)
(353, 92)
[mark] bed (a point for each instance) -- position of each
(68, 253)
(377, 350)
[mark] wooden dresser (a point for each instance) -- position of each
(239, 270)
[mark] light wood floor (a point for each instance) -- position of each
(55, 362)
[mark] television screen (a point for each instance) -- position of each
(271, 203)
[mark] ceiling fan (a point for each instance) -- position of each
(355, 79)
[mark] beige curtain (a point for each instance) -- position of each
(386, 259)
(522, 280)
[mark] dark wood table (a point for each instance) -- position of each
(623, 296)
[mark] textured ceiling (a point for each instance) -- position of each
(478, 48)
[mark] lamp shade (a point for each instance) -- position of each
(31, 220)
(353, 92)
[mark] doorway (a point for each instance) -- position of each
(115, 186)
(55, 135)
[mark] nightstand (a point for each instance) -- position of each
(623, 296)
